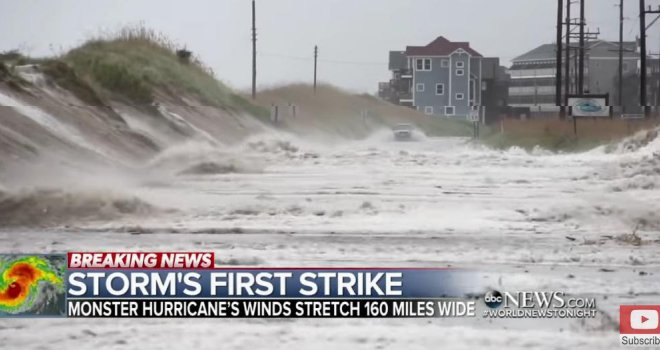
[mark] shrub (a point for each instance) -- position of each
(63, 75)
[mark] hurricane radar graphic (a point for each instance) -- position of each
(31, 285)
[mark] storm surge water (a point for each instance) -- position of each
(54, 207)
(198, 158)
(526, 220)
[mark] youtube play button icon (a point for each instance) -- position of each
(639, 325)
(644, 319)
(639, 319)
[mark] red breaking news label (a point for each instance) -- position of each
(141, 260)
(639, 319)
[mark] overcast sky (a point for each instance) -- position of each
(354, 36)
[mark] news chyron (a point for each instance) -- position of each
(190, 284)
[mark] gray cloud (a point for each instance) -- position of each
(354, 36)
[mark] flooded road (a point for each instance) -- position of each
(585, 224)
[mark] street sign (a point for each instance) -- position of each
(589, 106)
(474, 115)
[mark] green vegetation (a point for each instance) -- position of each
(13, 58)
(64, 76)
(8, 60)
(559, 135)
(351, 115)
(447, 127)
(134, 65)
(4, 70)
(137, 62)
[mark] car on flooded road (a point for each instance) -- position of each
(403, 132)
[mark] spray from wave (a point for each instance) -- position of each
(54, 207)
(641, 141)
(195, 158)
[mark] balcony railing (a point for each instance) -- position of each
(405, 96)
(406, 73)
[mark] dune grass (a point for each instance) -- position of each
(555, 143)
(135, 64)
(64, 76)
(558, 135)
(8, 60)
(349, 114)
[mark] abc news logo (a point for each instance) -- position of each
(527, 300)
(493, 299)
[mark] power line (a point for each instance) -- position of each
(310, 58)
(355, 62)
(299, 58)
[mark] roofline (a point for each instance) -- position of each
(469, 54)
(466, 47)
(464, 51)
(590, 43)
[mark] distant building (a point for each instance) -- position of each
(533, 73)
(444, 78)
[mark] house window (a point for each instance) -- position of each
(423, 64)
(439, 89)
(444, 63)
(419, 87)
(460, 72)
(428, 110)
(460, 96)
(460, 64)
(449, 110)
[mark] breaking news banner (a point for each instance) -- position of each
(188, 284)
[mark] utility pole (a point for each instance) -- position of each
(316, 55)
(579, 53)
(581, 68)
(576, 56)
(620, 51)
(254, 50)
(642, 47)
(567, 80)
(558, 69)
(642, 58)
(621, 55)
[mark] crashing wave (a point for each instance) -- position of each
(51, 207)
(641, 140)
(203, 159)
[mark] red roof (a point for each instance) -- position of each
(440, 47)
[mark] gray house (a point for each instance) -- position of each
(443, 78)
(533, 74)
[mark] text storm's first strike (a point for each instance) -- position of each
(147, 284)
